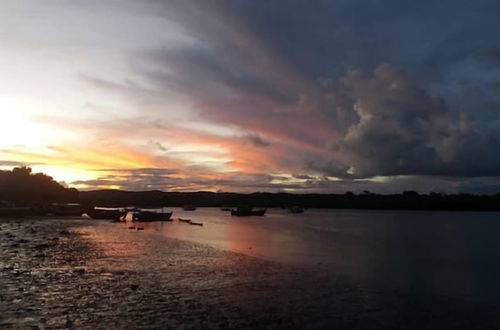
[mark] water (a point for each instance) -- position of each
(454, 254)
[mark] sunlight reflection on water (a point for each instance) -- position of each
(453, 253)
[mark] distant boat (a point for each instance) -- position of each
(152, 216)
(296, 209)
(195, 223)
(226, 209)
(189, 208)
(102, 214)
(184, 220)
(245, 211)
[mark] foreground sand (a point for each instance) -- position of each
(83, 274)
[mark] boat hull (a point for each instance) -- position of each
(146, 216)
(246, 213)
(106, 214)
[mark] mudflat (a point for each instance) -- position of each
(71, 273)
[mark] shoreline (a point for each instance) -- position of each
(80, 273)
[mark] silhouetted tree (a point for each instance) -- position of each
(22, 186)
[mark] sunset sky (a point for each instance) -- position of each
(253, 95)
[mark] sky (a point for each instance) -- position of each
(253, 95)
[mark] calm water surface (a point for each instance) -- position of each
(446, 253)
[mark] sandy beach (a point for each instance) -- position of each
(70, 273)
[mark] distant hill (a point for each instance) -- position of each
(21, 186)
(407, 200)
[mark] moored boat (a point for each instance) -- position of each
(245, 211)
(102, 214)
(152, 216)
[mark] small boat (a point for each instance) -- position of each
(195, 223)
(189, 208)
(245, 211)
(225, 209)
(102, 214)
(184, 220)
(152, 216)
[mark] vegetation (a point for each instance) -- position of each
(21, 186)
(409, 200)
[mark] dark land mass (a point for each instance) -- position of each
(21, 187)
(405, 201)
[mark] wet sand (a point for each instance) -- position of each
(83, 274)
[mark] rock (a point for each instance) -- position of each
(64, 233)
(134, 286)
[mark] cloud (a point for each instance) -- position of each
(404, 130)
(237, 92)
(16, 163)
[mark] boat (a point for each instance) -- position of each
(245, 211)
(151, 216)
(184, 220)
(226, 209)
(296, 209)
(195, 223)
(102, 214)
(189, 208)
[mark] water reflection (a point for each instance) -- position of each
(438, 252)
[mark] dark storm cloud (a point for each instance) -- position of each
(404, 130)
(362, 34)
(491, 55)
(311, 75)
